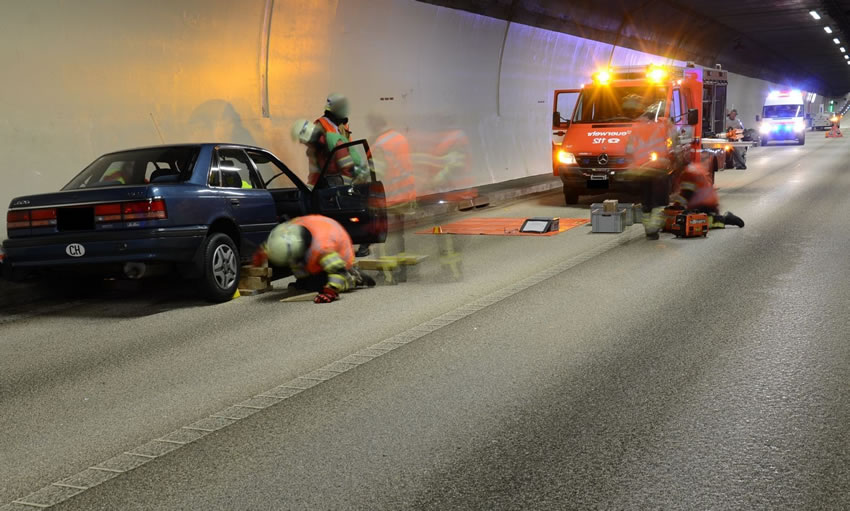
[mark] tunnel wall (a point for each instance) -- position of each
(84, 78)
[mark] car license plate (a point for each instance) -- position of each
(599, 177)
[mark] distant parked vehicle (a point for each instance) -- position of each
(821, 122)
(202, 208)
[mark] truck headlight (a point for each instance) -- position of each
(764, 128)
(799, 125)
(566, 158)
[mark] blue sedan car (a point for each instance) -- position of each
(202, 208)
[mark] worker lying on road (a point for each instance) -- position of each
(320, 254)
(697, 193)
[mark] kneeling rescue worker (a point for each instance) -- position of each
(697, 193)
(320, 254)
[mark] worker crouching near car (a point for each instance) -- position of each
(320, 254)
(696, 193)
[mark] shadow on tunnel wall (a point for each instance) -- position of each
(217, 120)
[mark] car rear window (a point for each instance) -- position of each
(138, 167)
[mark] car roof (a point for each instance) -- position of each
(198, 145)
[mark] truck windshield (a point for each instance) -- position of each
(604, 104)
(138, 167)
(774, 111)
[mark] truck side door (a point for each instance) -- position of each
(563, 105)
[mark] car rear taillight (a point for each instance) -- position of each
(18, 220)
(43, 217)
(144, 210)
(104, 213)
(24, 219)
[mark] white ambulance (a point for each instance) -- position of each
(783, 117)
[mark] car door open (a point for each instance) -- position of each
(357, 201)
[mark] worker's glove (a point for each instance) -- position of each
(260, 257)
(326, 296)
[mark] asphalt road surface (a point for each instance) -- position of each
(629, 374)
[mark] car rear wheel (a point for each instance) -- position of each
(221, 268)
(802, 141)
(763, 142)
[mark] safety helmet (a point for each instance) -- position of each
(285, 244)
(337, 104)
(303, 131)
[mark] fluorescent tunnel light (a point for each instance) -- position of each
(815, 14)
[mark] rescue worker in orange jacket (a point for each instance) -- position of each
(393, 165)
(696, 192)
(331, 131)
(332, 128)
(320, 254)
(345, 164)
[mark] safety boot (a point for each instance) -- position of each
(731, 219)
(361, 279)
(653, 222)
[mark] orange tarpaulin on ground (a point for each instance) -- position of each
(500, 227)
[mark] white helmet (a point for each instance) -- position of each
(285, 244)
(337, 104)
(303, 131)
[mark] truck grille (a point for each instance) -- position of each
(614, 162)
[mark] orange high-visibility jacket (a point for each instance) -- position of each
(399, 184)
(331, 137)
(331, 249)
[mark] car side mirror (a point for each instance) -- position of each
(557, 122)
(693, 117)
(758, 118)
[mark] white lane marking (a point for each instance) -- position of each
(300, 384)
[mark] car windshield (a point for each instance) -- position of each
(773, 111)
(603, 104)
(137, 167)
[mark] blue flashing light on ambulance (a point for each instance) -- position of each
(783, 117)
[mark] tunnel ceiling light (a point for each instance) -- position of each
(835, 40)
(846, 57)
(827, 30)
(842, 49)
(815, 14)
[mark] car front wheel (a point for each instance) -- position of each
(221, 268)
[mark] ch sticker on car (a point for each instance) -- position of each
(75, 250)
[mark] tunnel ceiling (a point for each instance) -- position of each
(776, 40)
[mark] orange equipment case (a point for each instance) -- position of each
(690, 225)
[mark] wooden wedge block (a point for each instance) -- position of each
(390, 262)
(253, 271)
(253, 283)
(411, 259)
(253, 292)
(383, 263)
(302, 297)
